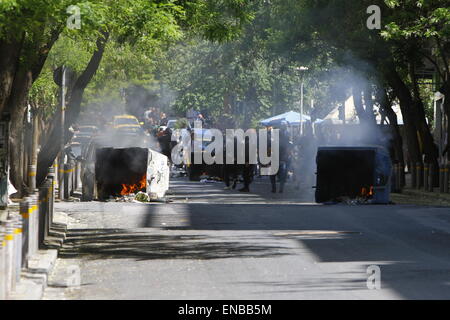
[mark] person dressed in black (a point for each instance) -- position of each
(230, 170)
(165, 142)
(307, 156)
(248, 168)
(285, 149)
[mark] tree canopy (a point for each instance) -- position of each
(237, 61)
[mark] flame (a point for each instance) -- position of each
(366, 193)
(132, 188)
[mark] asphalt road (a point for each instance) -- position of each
(211, 243)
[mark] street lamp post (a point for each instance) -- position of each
(301, 108)
(300, 69)
(61, 154)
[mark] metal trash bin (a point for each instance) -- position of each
(362, 172)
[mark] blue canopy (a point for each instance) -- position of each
(292, 117)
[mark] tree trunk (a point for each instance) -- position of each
(406, 106)
(25, 60)
(364, 108)
(16, 106)
(386, 108)
(445, 90)
(430, 149)
(51, 148)
(367, 120)
(357, 100)
(9, 58)
(369, 103)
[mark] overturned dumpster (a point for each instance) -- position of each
(119, 171)
(123, 171)
(360, 174)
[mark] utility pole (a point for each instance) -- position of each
(62, 141)
(300, 69)
(301, 108)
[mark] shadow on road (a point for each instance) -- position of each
(413, 257)
(123, 244)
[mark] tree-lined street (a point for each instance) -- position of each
(253, 247)
(224, 149)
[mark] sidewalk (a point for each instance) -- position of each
(34, 278)
(421, 197)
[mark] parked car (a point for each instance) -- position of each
(86, 131)
(88, 155)
(125, 120)
(171, 124)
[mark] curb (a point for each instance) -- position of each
(35, 278)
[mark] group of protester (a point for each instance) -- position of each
(154, 119)
(295, 155)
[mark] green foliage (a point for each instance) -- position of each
(418, 19)
(43, 94)
(140, 32)
(232, 58)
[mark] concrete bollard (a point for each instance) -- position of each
(394, 177)
(402, 176)
(431, 177)
(34, 223)
(9, 257)
(18, 246)
(74, 178)
(71, 178)
(25, 213)
(419, 173)
(2, 264)
(413, 176)
(32, 177)
(446, 178)
(67, 181)
(51, 195)
(77, 175)
(441, 178)
(43, 213)
(393, 182)
(426, 176)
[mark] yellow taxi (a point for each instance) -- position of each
(125, 120)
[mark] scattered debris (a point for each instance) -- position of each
(126, 198)
(351, 201)
(142, 197)
(132, 197)
(211, 180)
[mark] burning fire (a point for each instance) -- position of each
(133, 188)
(367, 192)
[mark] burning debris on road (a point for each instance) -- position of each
(353, 175)
(124, 173)
(121, 171)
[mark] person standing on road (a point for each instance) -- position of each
(230, 170)
(248, 168)
(165, 142)
(307, 153)
(285, 150)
